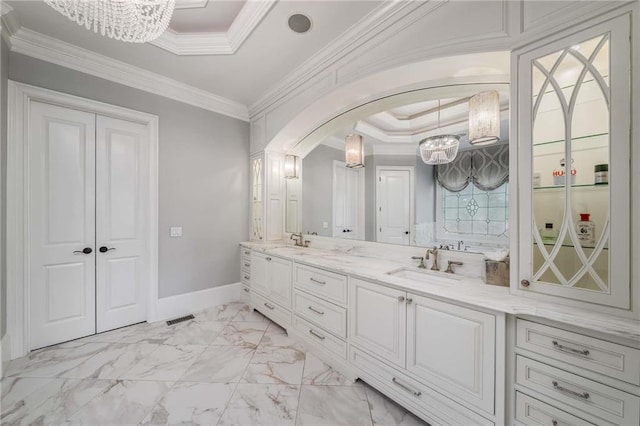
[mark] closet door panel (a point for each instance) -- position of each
(121, 231)
(61, 223)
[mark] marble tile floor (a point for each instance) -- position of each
(228, 366)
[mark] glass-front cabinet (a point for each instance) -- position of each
(573, 165)
(257, 196)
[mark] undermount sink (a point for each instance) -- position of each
(424, 275)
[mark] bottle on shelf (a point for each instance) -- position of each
(586, 230)
(601, 174)
(548, 234)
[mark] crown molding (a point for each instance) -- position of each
(388, 14)
(40, 46)
(221, 43)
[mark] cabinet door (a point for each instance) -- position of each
(260, 272)
(257, 197)
(453, 348)
(378, 320)
(280, 281)
(573, 119)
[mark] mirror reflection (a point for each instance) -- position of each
(406, 192)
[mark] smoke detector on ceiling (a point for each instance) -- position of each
(299, 23)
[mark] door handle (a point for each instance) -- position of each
(86, 250)
(406, 232)
(105, 249)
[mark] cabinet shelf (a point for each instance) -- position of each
(572, 246)
(588, 185)
(561, 141)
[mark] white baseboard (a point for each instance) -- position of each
(183, 304)
(5, 353)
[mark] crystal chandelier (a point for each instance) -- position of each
(134, 21)
(439, 149)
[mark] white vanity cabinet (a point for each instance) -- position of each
(449, 348)
(271, 287)
(573, 118)
(565, 376)
(245, 274)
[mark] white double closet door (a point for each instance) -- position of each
(88, 236)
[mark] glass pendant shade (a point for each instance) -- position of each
(354, 151)
(291, 167)
(134, 21)
(440, 149)
(484, 118)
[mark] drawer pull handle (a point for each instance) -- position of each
(246, 290)
(247, 252)
(405, 387)
(317, 281)
(246, 277)
(269, 306)
(583, 395)
(554, 422)
(247, 264)
(319, 336)
(268, 258)
(312, 309)
(558, 346)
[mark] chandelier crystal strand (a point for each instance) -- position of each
(439, 149)
(133, 21)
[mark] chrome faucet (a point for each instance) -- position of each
(449, 269)
(434, 252)
(460, 244)
(299, 240)
(421, 259)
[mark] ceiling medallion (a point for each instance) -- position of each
(134, 21)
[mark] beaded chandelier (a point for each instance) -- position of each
(134, 21)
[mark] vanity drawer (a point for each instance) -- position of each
(320, 337)
(613, 360)
(325, 314)
(245, 278)
(273, 311)
(245, 294)
(438, 409)
(587, 395)
(245, 264)
(530, 411)
(328, 285)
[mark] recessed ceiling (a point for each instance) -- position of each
(407, 125)
(210, 16)
(269, 53)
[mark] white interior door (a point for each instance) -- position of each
(395, 204)
(61, 224)
(122, 189)
(348, 202)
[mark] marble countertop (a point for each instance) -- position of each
(471, 291)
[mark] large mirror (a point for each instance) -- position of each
(395, 197)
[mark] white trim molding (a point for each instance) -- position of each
(40, 46)
(219, 43)
(19, 98)
(5, 353)
(183, 304)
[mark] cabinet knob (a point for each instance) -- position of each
(409, 300)
(400, 298)
(268, 258)
(525, 283)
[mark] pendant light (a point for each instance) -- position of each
(439, 149)
(291, 167)
(484, 118)
(354, 151)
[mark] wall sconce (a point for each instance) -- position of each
(484, 118)
(291, 167)
(354, 151)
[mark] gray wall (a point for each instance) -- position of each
(425, 188)
(203, 176)
(317, 189)
(4, 74)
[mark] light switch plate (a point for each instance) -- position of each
(176, 231)
(325, 225)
